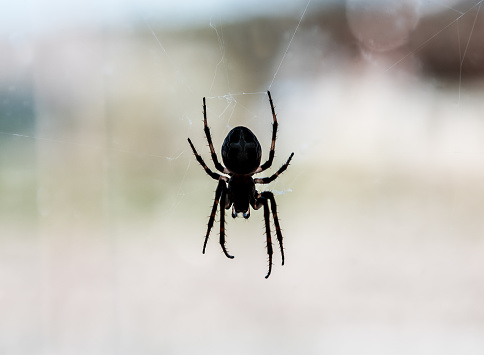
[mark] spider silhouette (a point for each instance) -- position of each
(241, 154)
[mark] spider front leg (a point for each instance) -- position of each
(272, 151)
(206, 129)
(213, 175)
(266, 180)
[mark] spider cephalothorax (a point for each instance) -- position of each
(241, 154)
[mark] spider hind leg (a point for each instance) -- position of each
(220, 195)
(223, 205)
(268, 236)
(263, 199)
(270, 196)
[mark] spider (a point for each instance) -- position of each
(241, 154)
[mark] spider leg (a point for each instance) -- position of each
(220, 188)
(268, 163)
(266, 180)
(202, 163)
(222, 221)
(270, 196)
(261, 200)
(219, 166)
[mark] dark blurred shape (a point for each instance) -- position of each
(382, 25)
(451, 43)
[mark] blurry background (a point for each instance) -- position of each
(103, 208)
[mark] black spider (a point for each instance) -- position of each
(241, 154)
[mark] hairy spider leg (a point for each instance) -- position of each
(220, 194)
(221, 187)
(223, 206)
(272, 152)
(213, 175)
(270, 196)
(262, 201)
(266, 180)
(206, 129)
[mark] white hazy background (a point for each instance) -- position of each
(103, 208)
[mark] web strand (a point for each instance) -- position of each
(445, 6)
(424, 43)
(183, 81)
(467, 47)
(221, 43)
(289, 45)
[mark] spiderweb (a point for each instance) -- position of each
(225, 99)
(99, 185)
(222, 87)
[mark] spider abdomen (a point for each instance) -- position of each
(241, 151)
(241, 190)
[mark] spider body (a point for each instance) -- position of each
(241, 191)
(241, 151)
(241, 154)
